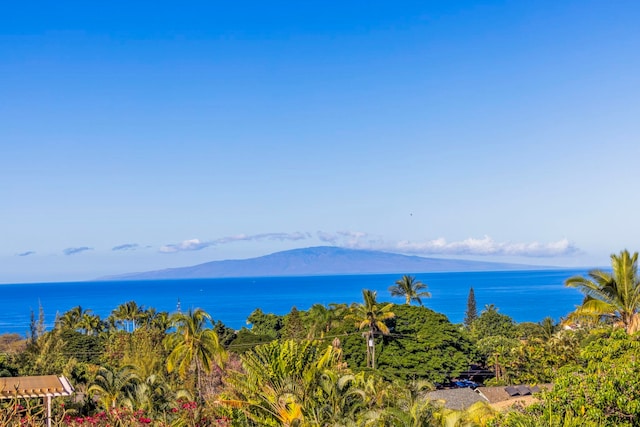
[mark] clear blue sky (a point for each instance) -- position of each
(144, 135)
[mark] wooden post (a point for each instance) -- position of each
(49, 411)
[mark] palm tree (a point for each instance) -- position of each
(91, 324)
(337, 399)
(411, 407)
(126, 313)
(549, 328)
(153, 395)
(409, 288)
(72, 319)
(160, 321)
(117, 317)
(112, 384)
(615, 295)
(371, 316)
(193, 346)
(479, 414)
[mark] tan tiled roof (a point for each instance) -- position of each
(40, 386)
(494, 394)
(501, 393)
(522, 401)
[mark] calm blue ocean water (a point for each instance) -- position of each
(523, 295)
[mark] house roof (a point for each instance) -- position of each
(37, 386)
(456, 398)
(498, 397)
(500, 394)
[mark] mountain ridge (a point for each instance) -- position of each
(319, 261)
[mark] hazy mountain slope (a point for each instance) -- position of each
(321, 260)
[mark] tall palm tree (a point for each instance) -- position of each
(409, 288)
(371, 317)
(615, 295)
(118, 317)
(72, 319)
(91, 324)
(127, 314)
(193, 346)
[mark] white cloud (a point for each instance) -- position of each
(343, 238)
(488, 246)
(186, 245)
(196, 244)
(263, 236)
(484, 246)
(440, 246)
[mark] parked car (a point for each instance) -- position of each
(465, 384)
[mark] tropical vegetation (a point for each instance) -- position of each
(367, 363)
(612, 295)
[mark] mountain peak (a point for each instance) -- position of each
(321, 260)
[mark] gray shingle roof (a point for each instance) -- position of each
(456, 398)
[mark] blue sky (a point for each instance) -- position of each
(144, 135)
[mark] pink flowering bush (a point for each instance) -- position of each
(186, 414)
(32, 413)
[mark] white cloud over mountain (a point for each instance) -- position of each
(196, 244)
(440, 246)
(485, 246)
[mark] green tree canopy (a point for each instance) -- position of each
(491, 323)
(602, 389)
(422, 344)
(265, 323)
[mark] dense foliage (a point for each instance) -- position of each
(364, 364)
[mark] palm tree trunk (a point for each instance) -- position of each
(199, 380)
(366, 343)
(372, 343)
(373, 353)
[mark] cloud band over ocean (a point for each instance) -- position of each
(485, 246)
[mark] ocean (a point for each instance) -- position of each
(523, 295)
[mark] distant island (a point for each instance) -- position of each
(321, 260)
